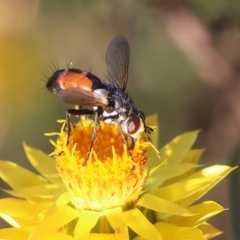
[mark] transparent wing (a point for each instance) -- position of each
(79, 96)
(117, 58)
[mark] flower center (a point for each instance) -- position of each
(112, 176)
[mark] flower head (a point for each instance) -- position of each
(112, 176)
(115, 190)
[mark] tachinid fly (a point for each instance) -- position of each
(109, 101)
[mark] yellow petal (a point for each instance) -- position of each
(55, 221)
(181, 190)
(193, 156)
(140, 224)
(43, 191)
(12, 174)
(14, 233)
(44, 164)
(177, 149)
(161, 205)
(63, 200)
(203, 212)
(13, 221)
(170, 232)
(18, 208)
(214, 173)
(57, 236)
(102, 236)
(116, 221)
(153, 121)
(87, 220)
(209, 231)
(167, 172)
(139, 238)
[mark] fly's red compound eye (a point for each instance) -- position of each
(133, 125)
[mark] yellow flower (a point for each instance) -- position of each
(113, 192)
(111, 177)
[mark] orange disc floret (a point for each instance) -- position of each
(111, 176)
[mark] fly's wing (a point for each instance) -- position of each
(77, 96)
(117, 58)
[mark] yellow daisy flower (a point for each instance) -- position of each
(114, 195)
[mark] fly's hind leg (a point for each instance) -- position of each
(82, 112)
(75, 112)
(96, 117)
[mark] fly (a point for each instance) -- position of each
(109, 101)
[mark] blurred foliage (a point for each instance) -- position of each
(234, 187)
(36, 34)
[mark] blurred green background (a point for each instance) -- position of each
(184, 65)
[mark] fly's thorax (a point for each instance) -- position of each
(111, 116)
(117, 97)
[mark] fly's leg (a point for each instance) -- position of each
(125, 140)
(82, 112)
(96, 116)
(75, 112)
(148, 131)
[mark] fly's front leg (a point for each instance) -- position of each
(148, 131)
(129, 148)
